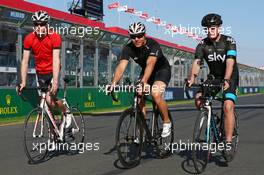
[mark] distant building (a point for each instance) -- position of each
(89, 57)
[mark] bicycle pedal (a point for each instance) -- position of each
(68, 130)
(68, 138)
(157, 137)
(200, 141)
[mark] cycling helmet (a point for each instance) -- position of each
(211, 19)
(137, 28)
(40, 16)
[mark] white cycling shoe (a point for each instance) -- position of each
(68, 120)
(166, 130)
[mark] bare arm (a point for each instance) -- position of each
(24, 67)
(195, 69)
(119, 71)
(151, 61)
(229, 68)
(56, 65)
(56, 71)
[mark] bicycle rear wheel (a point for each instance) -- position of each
(164, 145)
(36, 135)
(235, 137)
(202, 137)
(129, 136)
(76, 132)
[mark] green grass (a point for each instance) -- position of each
(18, 119)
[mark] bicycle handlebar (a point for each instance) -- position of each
(138, 84)
(201, 85)
(113, 96)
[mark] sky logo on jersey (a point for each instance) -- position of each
(214, 57)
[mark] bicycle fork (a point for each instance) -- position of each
(59, 132)
(39, 117)
(209, 109)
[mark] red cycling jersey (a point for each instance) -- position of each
(42, 49)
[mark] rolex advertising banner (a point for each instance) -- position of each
(87, 99)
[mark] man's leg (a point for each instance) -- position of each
(198, 102)
(66, 115)
(158, 88)
(143, 108)
(54, 103)
(229, 128)
(229, 109)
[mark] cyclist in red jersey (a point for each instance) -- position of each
(45, 45)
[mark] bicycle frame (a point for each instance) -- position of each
(46, 110)
(209, 109)
(210, 120)
(149, 132)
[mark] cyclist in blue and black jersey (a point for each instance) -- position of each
(219, 52)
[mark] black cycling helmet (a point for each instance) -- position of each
(211, 20)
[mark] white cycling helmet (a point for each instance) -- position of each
(40, 16)
(137, 28)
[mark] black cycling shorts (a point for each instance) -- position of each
(44, 80)
(163, 75)
(231, 92)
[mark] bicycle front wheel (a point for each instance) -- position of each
(129, 138)
(36, 135)
(202, 137)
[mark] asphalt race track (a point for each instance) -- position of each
(101, 130)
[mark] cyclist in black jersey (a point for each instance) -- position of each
(156, 71)
(219, 52)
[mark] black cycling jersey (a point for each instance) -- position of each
(140, 55)
(216, 53)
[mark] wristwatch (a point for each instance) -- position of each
(228, 81)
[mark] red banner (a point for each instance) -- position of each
(153, 19)
(113, 6)
(144, 16)
(130, 10)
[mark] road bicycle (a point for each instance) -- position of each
(209, 134)
(44, 131)
(130, 135)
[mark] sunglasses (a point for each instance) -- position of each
(39, 24)
(136, 36)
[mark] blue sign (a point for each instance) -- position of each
(14, 15)
(168, 95)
